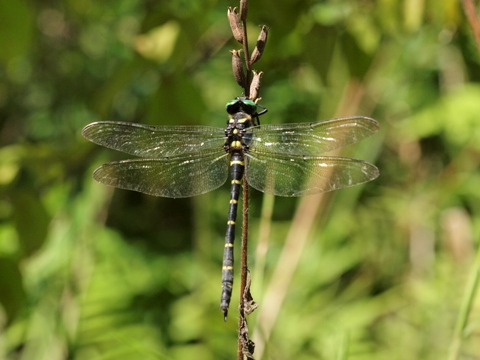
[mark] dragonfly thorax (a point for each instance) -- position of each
(235, 131)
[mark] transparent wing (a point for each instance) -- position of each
(154, 141)
(292, 175)
(176, 177)
(310, 139)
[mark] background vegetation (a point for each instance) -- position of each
(381, 271)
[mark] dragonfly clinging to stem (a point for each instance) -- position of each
(278, 159)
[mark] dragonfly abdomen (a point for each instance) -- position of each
(237, 167)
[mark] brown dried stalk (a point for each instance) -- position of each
(471, 13)
(251, 90)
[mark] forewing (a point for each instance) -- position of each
(175, 177)
(154, 141)
(291, 175)
(311, 139)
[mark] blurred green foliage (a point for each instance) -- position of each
(91, 273)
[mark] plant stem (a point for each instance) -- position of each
(244, 267)
(246, 54)
(471, 13)
(465, 309)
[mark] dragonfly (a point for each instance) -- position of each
(277, 159)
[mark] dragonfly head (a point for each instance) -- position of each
(241, 104)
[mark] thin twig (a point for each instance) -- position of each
(244, 256)
(246, 54)
(244, 268)
(238, 24)
(465, 309)
(471, 13)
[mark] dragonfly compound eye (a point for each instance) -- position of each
(233, 106)
(249, 106)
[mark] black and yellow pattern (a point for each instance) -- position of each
(241, 119)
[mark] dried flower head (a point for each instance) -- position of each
(255, 85)
(260, 46)
(237, 67)
(235, 24)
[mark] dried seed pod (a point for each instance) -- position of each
(243, 9)
(235, 24)
(260, 46)
(255, 85)
(237, 67)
